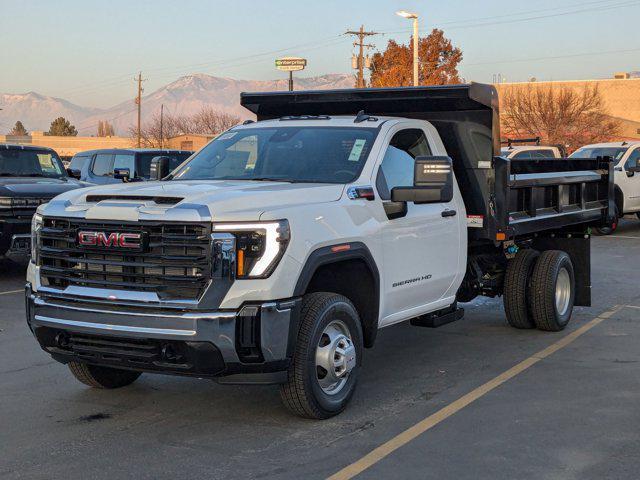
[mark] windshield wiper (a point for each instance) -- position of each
(268, 179)
(3, 174)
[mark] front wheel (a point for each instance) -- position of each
(324, 370)
(102, 377)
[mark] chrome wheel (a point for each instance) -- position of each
(563, 291)
(335, 357)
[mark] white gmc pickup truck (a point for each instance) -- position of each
(275, 253)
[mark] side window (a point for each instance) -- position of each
(77, 162)
(396, 169)
(125, 161)
(633, 159)
(542, 154)
(524, 154)
(103, 165)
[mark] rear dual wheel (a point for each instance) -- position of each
(539, 290)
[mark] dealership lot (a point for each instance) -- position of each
(572, 414)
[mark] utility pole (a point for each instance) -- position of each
(161, 121)
(138, 102)
(361, 34)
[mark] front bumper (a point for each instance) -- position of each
(251, 345)
(15, 238)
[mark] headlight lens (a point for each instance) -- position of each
(36, 227)
(259, 246)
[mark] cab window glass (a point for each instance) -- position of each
(633, 159)
(396, 169)
(77, 162)
(125, 161)
(102, 165)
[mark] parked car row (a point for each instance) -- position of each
(625, 156)
(31, 176)
(101, 167)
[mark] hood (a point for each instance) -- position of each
(224, 199)
(36, 186)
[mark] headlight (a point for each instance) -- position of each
(36, 227)
(259, 246)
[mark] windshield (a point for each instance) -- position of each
(30, 163)
(290, 154)
(593, 152)
(144, 161)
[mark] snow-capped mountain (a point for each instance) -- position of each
(187, 95)
(36, 111)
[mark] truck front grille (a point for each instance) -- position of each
(175, 263)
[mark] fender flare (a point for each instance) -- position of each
(325, 256)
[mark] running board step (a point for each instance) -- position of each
(439, 318)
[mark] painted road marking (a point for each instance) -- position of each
(431, 421)
(12, 291)
(619, 236)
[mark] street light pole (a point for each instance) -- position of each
(414, 17)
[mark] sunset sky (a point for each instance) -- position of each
(88, 51)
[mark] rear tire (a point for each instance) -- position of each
(609, 229)
(102, 377)
(552, 290)
(330, 331)
(516, 289)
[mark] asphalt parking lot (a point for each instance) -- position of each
(567, 412)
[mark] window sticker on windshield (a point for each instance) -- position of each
(227, 136)
(356, 150)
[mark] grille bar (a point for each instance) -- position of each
(176, 265)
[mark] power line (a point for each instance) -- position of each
(554, 57)
(470, 24)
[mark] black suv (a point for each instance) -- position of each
(29, 176)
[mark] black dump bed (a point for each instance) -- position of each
(514, 197)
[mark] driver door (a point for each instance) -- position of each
(420, 248)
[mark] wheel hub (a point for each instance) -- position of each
(335, 357)
(563, 291)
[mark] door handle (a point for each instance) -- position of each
(449, 213)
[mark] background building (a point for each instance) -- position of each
(621, 96)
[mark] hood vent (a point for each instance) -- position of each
(139, 198)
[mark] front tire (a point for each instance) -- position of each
(324, 370)
(552, 290)
(102, 377)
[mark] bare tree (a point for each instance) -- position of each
(211, 121)
(105, 129)
(207, 121)
(558, 115)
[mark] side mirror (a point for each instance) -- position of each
(159, 168)
(122, 174)
(432, 182)
(73, 173)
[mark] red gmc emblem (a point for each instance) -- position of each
(111, 240)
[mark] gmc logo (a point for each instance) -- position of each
(112, 240)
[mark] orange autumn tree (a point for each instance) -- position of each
(438, 62)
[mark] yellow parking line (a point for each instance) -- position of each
(12, 291)
(431, 421)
